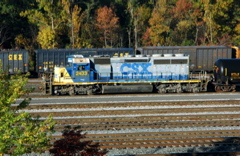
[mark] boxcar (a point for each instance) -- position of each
(47, 59)
(14, 61)
(201, 57)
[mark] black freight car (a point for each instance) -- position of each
(48, 58)
(14, 61)
(226, 74)
(201, 57)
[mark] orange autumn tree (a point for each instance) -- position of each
(107, 23)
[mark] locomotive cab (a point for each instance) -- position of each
(80, 68)
(78, 71)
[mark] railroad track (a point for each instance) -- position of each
(159, 125)
(132, 111)
(153, 125)
(163, 143)
(191, 139)
(132, 104)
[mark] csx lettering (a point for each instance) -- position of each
(135, 68)
(81, 73)
(15, 57)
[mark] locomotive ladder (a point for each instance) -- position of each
(48, 86)
(205, 79)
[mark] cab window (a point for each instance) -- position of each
(81, 67)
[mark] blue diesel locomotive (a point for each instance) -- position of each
(127, 74)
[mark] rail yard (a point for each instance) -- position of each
(148, 126)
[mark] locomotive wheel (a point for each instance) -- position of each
(71, 93)
(218, 89)
(195, 90)
(162, 91)
(179, 90)
(89, 92)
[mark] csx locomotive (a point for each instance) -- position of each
(127, 74)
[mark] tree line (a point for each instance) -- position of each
(48, 24)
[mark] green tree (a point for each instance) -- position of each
(160, 23)
(12, 24)
(236, 14)
(141, 17)
(20, 132)
(219, 19)
(183, 22)
(48, 17)
(88, 34)
(74, 17)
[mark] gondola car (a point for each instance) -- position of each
(201, 57)
(128, 74)
(14, 61)
(47, 59)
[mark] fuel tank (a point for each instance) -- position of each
(142, 88)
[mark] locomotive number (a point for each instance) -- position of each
(15, 57)
(81, 73)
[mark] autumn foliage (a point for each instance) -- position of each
(44, 24)
(107, 23)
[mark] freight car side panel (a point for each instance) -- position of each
(207, 56)
(201, 57)
(49, 58)
(14, 61)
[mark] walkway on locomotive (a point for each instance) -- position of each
(128, 69)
